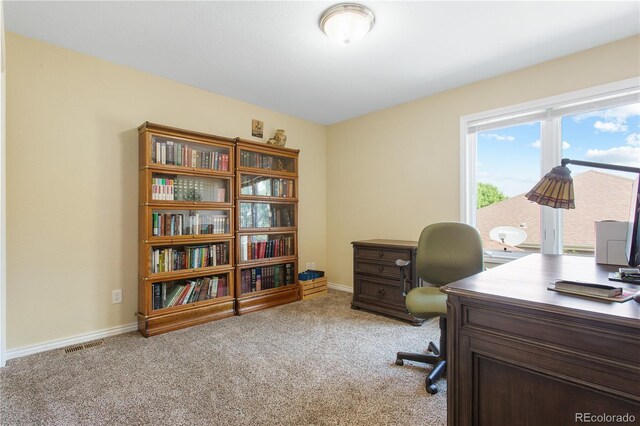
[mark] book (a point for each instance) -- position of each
(289, 279)
(588, 288)
(258, 279)
(157, 296)
(246, 281)
(222, 286)
(204, 292)
(184, 295)
(195, 294)
(627, 294)
(213, 289)
(170, 152)
(173, 294)
(221, 195)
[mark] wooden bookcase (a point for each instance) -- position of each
(186, 228)
(266, 226)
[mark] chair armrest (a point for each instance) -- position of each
(403, 264)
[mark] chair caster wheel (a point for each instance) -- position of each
(432, 390)
(399, 362)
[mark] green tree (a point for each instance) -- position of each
(489, 194)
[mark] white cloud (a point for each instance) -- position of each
(633, 139)
(610, 126)
(537, 143)
(613, 119)
(622, 155)
(498, 137)
(612, 114)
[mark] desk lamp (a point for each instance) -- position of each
(555, 189)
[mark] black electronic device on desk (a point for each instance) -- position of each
(626, 275)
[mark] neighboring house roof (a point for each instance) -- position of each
(598, 196)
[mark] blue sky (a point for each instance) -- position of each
(510, 157)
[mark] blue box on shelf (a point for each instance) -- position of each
(310, 275)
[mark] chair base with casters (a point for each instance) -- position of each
(437, 358)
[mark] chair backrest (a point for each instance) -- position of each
(447, 252)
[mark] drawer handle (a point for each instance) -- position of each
(380, 268)
(381, 254)
(381, 291)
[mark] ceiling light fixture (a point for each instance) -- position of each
(347, 23)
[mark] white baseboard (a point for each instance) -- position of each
(83, 338)
(70, 341)
(340, 287)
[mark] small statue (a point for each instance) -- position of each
(279, 139)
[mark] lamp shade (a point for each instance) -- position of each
(347, 23)
(555, 189)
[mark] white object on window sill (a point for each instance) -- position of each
(496, 256)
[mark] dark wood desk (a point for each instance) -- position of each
(520, 354)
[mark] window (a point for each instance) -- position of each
(505, 152)
(610, 136)
(507, 166)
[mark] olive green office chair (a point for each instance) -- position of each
(447, 252)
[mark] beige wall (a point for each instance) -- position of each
(72, 172)
(392, 172)
(72, 183)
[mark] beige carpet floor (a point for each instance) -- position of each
(314, 362)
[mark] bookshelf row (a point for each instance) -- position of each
(266, 277)
(191, 222)
(182, 188)
(182, 292)
(165, 151)
(189, 257)
(266, 186)
(266, 246)
(263, 215)
(266, 161)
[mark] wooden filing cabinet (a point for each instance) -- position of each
(377, 284)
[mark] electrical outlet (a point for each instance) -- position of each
(313, 266)
(116, 296)
(308, 266)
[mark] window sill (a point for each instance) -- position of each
(500, 257)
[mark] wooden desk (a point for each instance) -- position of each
(520, 354)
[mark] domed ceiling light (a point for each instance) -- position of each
(347, 23)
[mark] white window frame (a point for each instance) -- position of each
(549, 112)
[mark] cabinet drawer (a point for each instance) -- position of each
(382, 253)
(383, 270)
(379, 291)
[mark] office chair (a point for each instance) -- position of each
(447, 252)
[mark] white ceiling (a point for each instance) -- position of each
(273, 54)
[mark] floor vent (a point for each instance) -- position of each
(77, 348)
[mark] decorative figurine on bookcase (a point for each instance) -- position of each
(279, 139)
